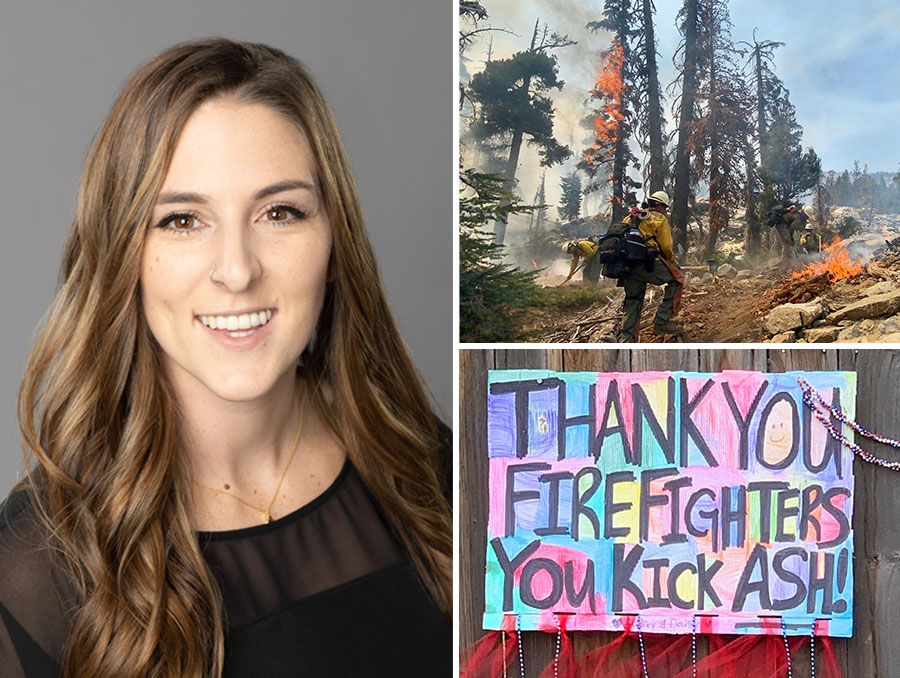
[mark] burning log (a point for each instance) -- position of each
(836, 263)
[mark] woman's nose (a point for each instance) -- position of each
(238, 264)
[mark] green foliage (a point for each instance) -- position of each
(570, 201)
(569, 298)
(868, 191)
(511, 96)
(785, 166)
(848, 227)
(488, 289)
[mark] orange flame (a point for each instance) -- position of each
(533, 262)
(835, 262)
(609, 87)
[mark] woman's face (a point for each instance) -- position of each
(235, 263)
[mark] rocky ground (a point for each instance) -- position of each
(765, 304)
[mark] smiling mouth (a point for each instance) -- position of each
(242, 325)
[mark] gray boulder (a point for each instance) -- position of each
(793, 316)
(727, 271)
(821, 335)
(869, 307)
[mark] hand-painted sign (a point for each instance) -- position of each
(708, 501)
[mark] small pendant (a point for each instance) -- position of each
(266, 518)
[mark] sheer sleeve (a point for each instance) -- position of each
(33, 611)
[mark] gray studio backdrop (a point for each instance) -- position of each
(385, 67)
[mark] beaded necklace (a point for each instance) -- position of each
(819, 407)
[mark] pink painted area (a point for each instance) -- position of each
(541, 584)
(830, 526)
(496, 498)
(715, 421)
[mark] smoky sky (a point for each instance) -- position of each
(840, 62)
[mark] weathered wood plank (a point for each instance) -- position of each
(874, 650)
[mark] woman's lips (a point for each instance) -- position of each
(238, 331)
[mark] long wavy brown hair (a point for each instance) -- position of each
(100, 421)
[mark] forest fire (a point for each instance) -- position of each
(835, 262)
(609, 87)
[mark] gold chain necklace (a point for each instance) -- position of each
(265, 514)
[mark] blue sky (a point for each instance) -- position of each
(841, 63)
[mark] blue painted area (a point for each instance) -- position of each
(501, 423)
(543, 423)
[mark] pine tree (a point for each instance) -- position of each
(488, 288)
(841, 190)
(784, 164)
(685, 103)
(536, 221)
(570, 201)
(767, 89)
(512, 96)
(648, 99)
(609, 153)
(720, 137)
(609, 156)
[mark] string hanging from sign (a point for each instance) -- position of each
(817, 404)
(641, 643)
(787, 647)
(694, 647)
(521, 654)
(812, 651)
(558, 641)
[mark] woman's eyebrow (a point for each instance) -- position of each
(280, 187)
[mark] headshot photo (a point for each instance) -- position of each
(228, 405)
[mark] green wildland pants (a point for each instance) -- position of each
(635, 288)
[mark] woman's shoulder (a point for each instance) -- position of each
(23, 543)
(33, 599)
(15, 508)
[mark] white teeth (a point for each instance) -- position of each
(245, 321)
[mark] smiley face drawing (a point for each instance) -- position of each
(778, 442)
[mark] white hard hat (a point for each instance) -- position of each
(567, 245)
(810, 212)
(663, 197)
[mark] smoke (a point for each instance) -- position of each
(577, 68)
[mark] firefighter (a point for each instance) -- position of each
(582, 249)
(809, 243)
(654, 227)
(791, 220)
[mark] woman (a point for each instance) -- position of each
(200, 505)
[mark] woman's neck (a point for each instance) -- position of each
(239, 444)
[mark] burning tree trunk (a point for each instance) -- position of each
(610, 151)
(688, 95)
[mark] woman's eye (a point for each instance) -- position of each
(183, 222)
(277, 214)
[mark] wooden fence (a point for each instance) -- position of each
(874, 649)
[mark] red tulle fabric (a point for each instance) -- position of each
(666, 656)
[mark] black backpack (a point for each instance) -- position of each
(775, 216)
(622, 249)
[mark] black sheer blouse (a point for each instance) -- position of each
(324, 591)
